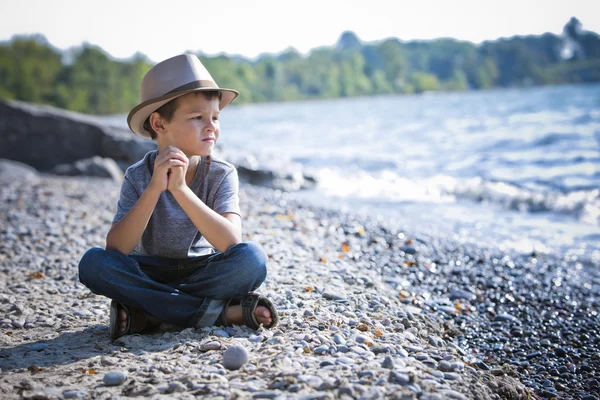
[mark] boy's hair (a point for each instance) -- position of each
(166, 111)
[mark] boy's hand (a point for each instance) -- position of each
(177, 176)
(166, 161)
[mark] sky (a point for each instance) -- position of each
(162, 29)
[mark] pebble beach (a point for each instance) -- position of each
(368, 310)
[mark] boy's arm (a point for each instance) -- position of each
(222, 231)
(125, 234)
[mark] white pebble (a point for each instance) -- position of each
(115, 378)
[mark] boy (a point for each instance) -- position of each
(174, 252)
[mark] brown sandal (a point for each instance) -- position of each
(249, 303)
(137, 321)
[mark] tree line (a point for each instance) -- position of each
(89, 80)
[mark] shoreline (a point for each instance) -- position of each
(367, 310)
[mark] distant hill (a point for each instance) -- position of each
(87, 79)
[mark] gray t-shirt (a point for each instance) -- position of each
(170, 232)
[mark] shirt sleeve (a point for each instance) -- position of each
(127, 199)
(227, 196)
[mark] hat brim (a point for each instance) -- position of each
(142, 111)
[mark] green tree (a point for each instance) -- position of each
(87, 79)
(424, 82)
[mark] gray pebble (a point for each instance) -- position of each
(83, 314)
(309, 313)
(430, 362)
(115, 378)
(176, 387)
(429, 382)
(408, 249)
(344, 360)
(333, 296)
(401, 351)
(381, 349)
(312, 380)
(256, 338)
(343, 348)
(74, 394)
(366, 373)
(435, 341)
(339, 339)
(220, 333)
(212, 345)
(18, 323)
(445, 366)
(388, 363)
(270, 394)
(274, 340)
(462, 294)
(380, 382)
(362, 339)
(451, 394)
(327, 385)
(107, 361)
(431, 396)
(347, 390)
(507, 318)
(397, 377)
(315, 396)
(451, 376)
(458, 366)
(234, 357)
(295, 388)
(436, 373)
(321, 349)
(447, 309)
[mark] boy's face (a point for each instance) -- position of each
(194, 128)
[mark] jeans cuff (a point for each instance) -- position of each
(208, 313)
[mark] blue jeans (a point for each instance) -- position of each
(189, 292)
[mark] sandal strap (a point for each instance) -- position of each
(249, 303)
(136, 322)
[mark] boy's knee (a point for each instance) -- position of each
(250, 268)
(254, 259)
(91, 264)
(88, 263)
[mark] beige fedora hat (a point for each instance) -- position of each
(169, 79)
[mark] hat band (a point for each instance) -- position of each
(195, 85)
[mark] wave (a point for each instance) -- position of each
(582, 205)
(554, 138)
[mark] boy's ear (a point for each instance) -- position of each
(157, 122)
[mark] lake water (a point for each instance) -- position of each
(517, 168)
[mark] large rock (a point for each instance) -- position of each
(267, 171)
(45, 137)
(11, 171)
(95, 166)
